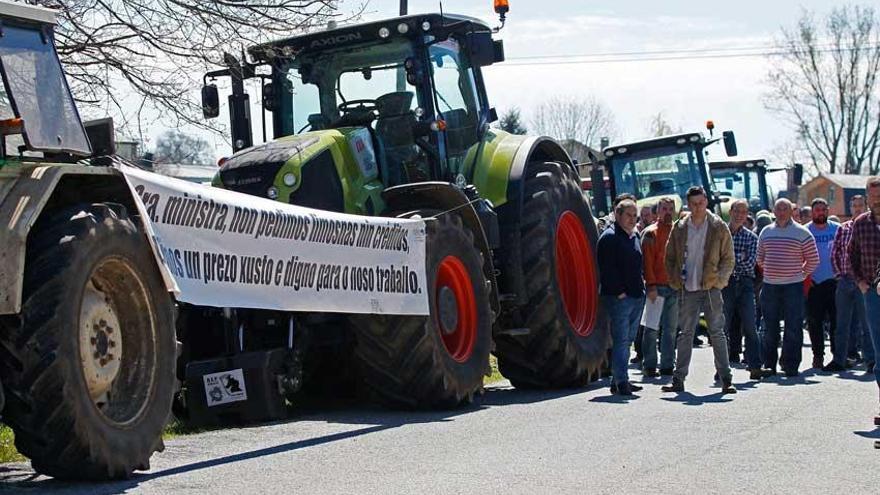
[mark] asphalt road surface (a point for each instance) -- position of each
(813, 434)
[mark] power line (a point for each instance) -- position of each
(649, 56)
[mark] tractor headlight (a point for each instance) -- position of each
(272, 193)
(403, 28)
(289, 179)
(384, 32)
(426, 26)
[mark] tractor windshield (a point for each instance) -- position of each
(659, 172)
(37, 92)
(323, 90)
(742, 183)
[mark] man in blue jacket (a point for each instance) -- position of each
(622, 288)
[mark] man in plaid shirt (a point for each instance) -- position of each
(850, 304)
(864, 258)
(739, 295)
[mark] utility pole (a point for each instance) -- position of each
(404, 7)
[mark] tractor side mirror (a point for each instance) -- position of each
(210, 101)
(270, 99)
(483, 49)
(729, 143)
(102, 138)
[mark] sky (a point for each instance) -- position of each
(729, 91)
(688, 90)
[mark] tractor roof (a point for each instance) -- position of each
(25, 12)
(738, 164)
(674, 140)
(356, 34)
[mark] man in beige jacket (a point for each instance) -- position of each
(699, 261)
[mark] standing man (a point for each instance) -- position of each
(739, 295)
(647, 216)
(654, 240)
(787, 254)
(820, 298)
(849, 301)
(864, 260)
(622, 289)
(699, 261)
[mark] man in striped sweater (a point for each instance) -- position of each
(787, 254)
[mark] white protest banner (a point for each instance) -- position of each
(225, 249)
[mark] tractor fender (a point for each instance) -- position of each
(43, 188)
(446, 197)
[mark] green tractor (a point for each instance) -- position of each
(391, 118)
(744, 179)
(87, 343)
(653, 168)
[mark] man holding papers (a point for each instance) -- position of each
(661, 297)
(739, 295)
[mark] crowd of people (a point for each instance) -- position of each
(751, 278)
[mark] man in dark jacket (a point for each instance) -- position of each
(622, 288)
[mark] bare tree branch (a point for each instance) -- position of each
(828, 91)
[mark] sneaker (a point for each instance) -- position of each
(727, 386)
(768, 372)
(666, 371)
(650, 372)
(756, 374)
(818, 362)
(833, 367)
(677, 386)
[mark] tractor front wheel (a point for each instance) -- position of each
(88, 366)
(436, 361)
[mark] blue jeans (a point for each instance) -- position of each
(850, 313)
(668, 329)
(625, 315)
(872, 314)
(783, 302)
(739, 299)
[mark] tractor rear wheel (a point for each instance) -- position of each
(88, 366)
(566, 341)
(436, 361)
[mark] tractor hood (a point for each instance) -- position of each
(311, 169)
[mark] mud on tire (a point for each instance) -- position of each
(411, 362)
(567, 336)
(89, 270)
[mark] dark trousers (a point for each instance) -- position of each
(783, 302)
(821, 308)
(739, 317)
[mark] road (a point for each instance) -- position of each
(813, 434)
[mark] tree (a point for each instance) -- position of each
(180, 148)
(584, 120)
(147, 57)
(659, 126)
(512, 122)
(823, 81)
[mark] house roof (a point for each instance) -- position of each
(847, 181)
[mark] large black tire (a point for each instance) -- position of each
(560, 337)
(109, 425)
(403, 360)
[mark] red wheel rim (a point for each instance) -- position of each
(576, 273)
(454, 280)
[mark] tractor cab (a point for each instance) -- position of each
(654, 168)
(743, 179)
(407, 93)
(38, 116)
